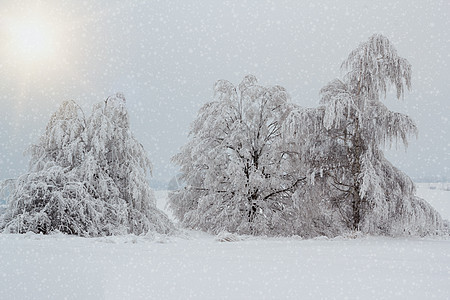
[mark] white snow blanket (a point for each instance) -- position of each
(195, 265)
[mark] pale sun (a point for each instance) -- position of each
(31, 40)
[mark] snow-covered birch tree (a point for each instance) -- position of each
(350, 130)
(233, 164)
(86, 177)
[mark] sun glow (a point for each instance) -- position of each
(31, 40)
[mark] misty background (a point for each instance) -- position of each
(165, 57)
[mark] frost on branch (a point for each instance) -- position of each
(375, 66)
(234, 165)
(87, 177)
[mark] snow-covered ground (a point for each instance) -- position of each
(199, 266)
(438, 195)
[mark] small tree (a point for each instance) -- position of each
(350, 129)
(233, 165)
(78, 181)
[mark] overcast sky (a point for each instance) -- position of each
(166, 55)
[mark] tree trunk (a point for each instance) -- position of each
(356, 171)
(356, 207)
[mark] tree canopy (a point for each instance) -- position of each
(233, 164)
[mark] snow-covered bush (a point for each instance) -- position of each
(342, 141)
(234, 166)
(87, 177)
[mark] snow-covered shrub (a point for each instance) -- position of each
(228, 237)
(87, 177)
(53, 199)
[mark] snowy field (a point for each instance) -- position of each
(195, 265)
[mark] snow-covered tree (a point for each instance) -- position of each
(51, 196)
(116, 167)
(310, 152)
(343, 141)
(87, 177)
(233, 165)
